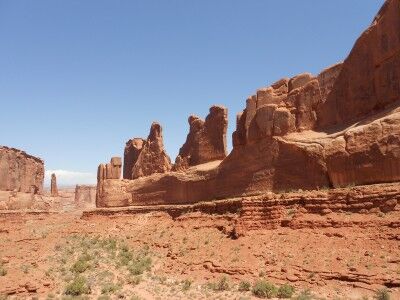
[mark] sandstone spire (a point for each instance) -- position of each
(132, 150)
(206, 140)
(152, 157)
(54, 189)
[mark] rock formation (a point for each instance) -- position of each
(20, 171)
(206, 140)
(289, 105)
(152, 157)
(53, 186)
(85, 196)
(112, 170)
(370, 78)
(132, 150)
(339, 128)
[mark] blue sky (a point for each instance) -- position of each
(79, 78)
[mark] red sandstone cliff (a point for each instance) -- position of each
(20, 171)
(339, 128)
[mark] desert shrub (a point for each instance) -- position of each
(186, 284)
(134, 280)
(81, 265)
(285, 291)
(140, 265)
(304, 295)
(125, 257)
(244, 286)
(264, 289)
(77, 287)
(109, 288)
(221, 285)
(382, 294)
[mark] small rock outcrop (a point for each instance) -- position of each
(152, 157)
(206, 140)
(53, 186)
(20, 171)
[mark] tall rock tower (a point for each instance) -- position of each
(54, 189)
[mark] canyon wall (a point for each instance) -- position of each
(20, 171)
(336, 129)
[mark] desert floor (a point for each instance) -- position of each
(152, 256)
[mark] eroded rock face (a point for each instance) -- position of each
(152, 158)
(20, 171)
(85, 196)
(132, 150)
(289, 105)
(112, 170)
(370, 77)
(53, 186)
(295, 134)
(366, 154)
(206, 140)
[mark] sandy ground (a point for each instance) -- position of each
(151, 256)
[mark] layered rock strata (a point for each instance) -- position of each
(206, 140)
(20, 171)
(339, 128)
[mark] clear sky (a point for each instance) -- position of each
(79, 78)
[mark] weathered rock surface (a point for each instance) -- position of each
(279, 145)
(152, 158)
(85, 196)
(53, 186)
(289, 105)
(132, 150)
(206, 140)
(272, 210)
(112, 170)
(370, 77)
(20, 171)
